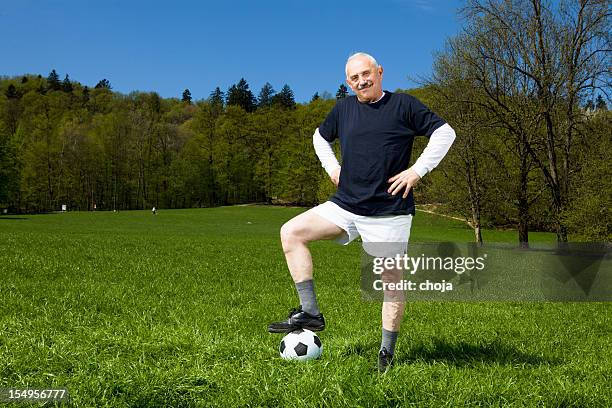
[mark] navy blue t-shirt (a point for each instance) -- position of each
(376, 143)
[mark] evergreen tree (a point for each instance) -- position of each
(240, 95)
(600, 103)
(285, 98)
(315, 97)
(67, 85)
(11, 92)
(24, 79)
(265, 95)
(53, 82)
(216, 99)
(186, 96)
(103, 84)
(231, 96)
(342, 92)
(589, 105)
(249, 103)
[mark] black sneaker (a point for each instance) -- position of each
(298, 319)
(385, 360)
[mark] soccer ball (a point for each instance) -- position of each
(300, 344)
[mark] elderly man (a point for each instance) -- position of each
(374, 198)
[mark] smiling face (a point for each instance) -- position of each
(364, 78)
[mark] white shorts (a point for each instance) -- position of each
(375, 231)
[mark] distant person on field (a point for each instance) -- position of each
(154, 211)
(376, 129)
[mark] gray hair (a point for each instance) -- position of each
(360, 54)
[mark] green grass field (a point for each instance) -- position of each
(131, 309)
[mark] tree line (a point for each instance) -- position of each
(63, 143)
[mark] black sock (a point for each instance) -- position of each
(389, 338)
(307, 297)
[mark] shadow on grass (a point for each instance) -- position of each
(458, 354)
(13, 218)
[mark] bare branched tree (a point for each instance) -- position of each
(535, 63)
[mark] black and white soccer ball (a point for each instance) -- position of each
(300, 345)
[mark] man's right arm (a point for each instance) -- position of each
(326, 155)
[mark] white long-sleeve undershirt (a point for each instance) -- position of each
(439, 143)
(324, 151)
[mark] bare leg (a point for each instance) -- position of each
(295, 236)
(392, 315)
(394, 302)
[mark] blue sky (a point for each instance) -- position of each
(167, 46)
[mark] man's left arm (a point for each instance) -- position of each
(439, 143)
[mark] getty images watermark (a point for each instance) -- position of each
(497, 272)
(412, 265)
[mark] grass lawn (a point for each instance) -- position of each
(131, 309)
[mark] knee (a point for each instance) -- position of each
(290, 235)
